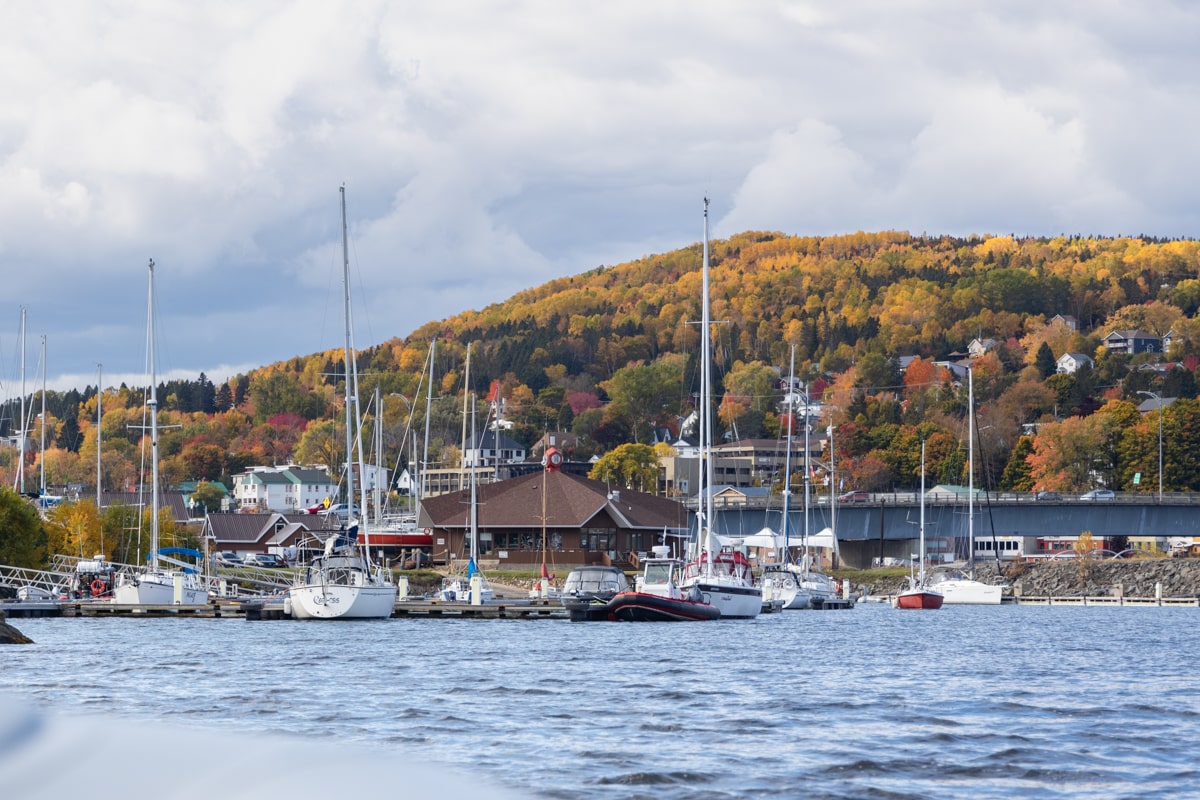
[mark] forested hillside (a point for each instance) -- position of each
(611, 353)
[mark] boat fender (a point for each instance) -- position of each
(287, 606)
(98, 586)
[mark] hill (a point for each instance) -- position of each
(879, 322)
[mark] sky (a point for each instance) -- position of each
(488, 147)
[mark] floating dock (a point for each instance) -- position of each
(260, 609)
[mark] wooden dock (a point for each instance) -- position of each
(258, 609)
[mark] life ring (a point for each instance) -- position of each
(98, 586)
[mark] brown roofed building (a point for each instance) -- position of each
(245, 534)
(585, 522)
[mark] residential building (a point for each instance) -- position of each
(1132, 342)
(1069, 363)
(288, 489)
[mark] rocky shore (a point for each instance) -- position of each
(1179, 577)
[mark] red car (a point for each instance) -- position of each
(855, 497)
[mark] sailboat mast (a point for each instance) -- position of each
(787, 457)
(706, 467)
(474, 505)
(99, 419)
(466, 398)
(428, 410)
(20, 479)
(377, 494)
(42, 455)
(970, 473)
(152, 403)
(349, 385)
(921, 573)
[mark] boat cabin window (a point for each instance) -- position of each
(658, 573)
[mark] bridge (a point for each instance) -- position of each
(887, 525)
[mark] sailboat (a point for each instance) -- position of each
(341, 582)
(918, 595)
(718, 571)
(474, 588)
(957, 587)
(782, 581)
(156, 584)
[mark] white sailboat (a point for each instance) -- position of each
(956, 587)
(474, 587)
(781, 581)
(718, 568)
(156, 584)
(342, 582)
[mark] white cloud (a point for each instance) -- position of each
(490, 151)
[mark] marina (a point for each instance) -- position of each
(999, 714)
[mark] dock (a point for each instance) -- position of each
(273, 608)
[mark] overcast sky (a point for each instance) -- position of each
(488, 147)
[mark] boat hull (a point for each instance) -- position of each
(158, 589)
(644, 607)
(969, 593)
(316, 601)
(733, 602)
(924, 599)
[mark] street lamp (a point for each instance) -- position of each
(1159, 401)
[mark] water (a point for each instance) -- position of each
(999, 702)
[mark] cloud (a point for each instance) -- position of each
(488, 152)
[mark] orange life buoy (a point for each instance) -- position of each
(98, 586)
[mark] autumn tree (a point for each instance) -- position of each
(23, 541)
(632, 466)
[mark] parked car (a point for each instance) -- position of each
(228, 558)
(857, 496)
(1047, 496)
(1098, 495)
(265, 560)
(339, 510)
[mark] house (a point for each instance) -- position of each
(1065, 320)
(1171, 339)
(1156, 403)
(1132, 342)
(732, 496)
(980, 347)
(281, 534)
(196, 509)
(493, 448)
(1069, 363)
(564, 441)
(289, 489)
(584, 522)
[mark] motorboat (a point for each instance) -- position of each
(656, 597)
(588, 589)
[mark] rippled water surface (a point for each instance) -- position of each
(1028, 701)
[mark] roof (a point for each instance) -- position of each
(1131, 334)
(172, 500)
(304, 475)
(254, 529)
(490, 440)
(570, 501)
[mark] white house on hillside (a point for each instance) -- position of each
(288, 489)
(1070, 362)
